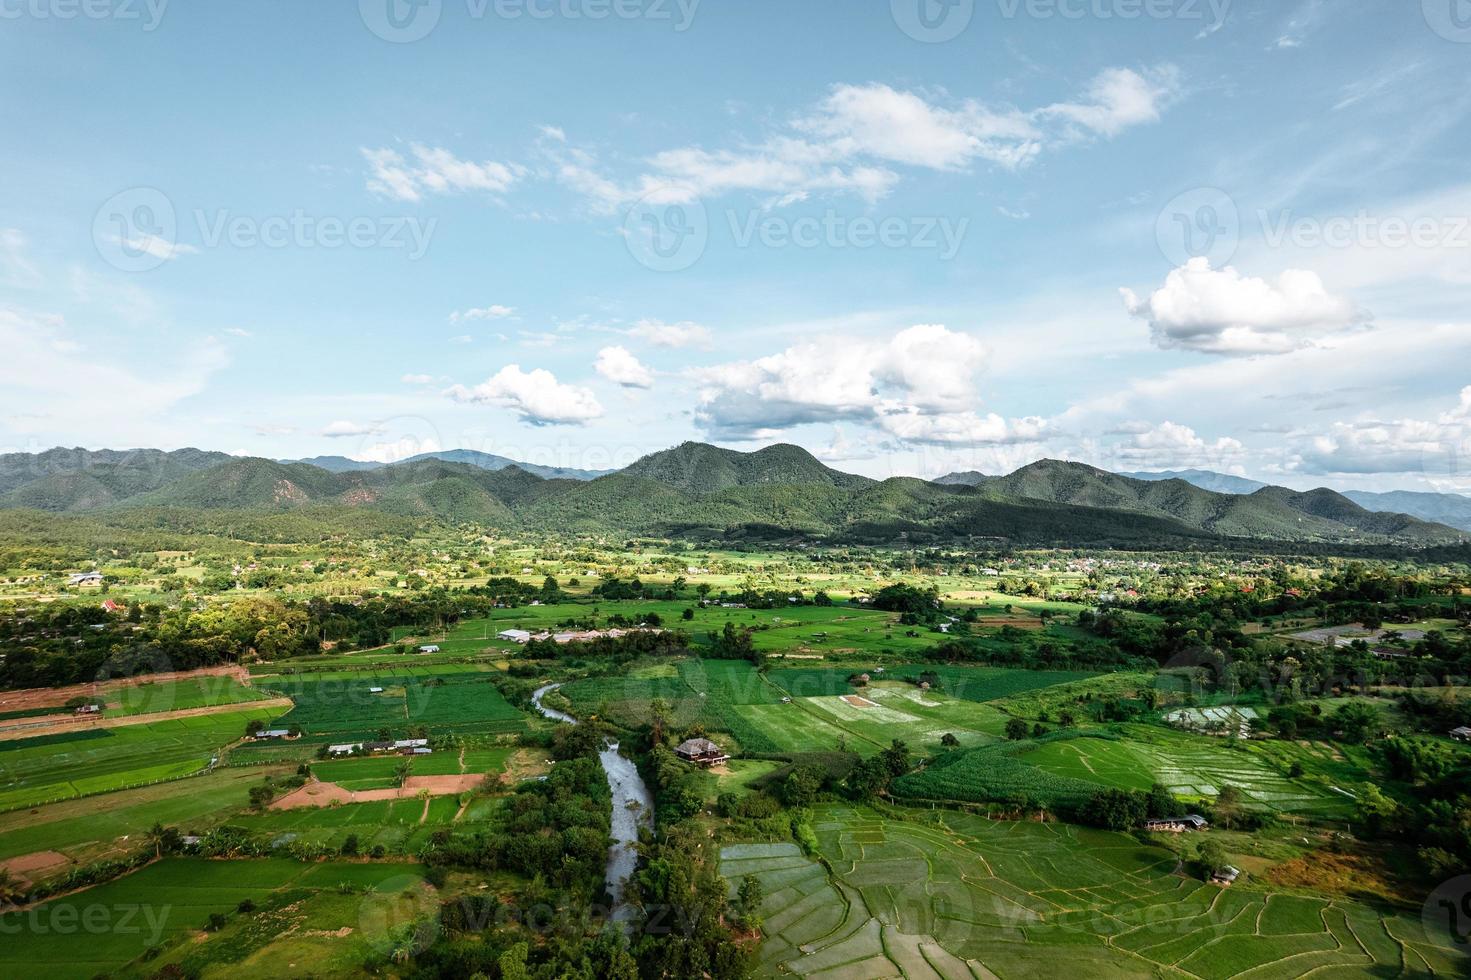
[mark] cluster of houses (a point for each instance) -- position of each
(403, 746)
(569, 636)
(272, 734)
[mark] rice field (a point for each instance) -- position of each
(949, 895)
(357, 705)
(98, 760)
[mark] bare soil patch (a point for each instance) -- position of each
(859, 702)
(318, 793)
(27, 864)
(57, 697)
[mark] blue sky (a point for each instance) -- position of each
(1144, 234)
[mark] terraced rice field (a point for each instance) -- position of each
(348, 706)
(959, 897)
(1193, 767)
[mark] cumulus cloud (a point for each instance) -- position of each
(1220, 311)
(1118, 99)
(919, 386)
(1436, 448)
(619, 366)
(493, 312)
(536, 396)
(343, 429)
(434, 170)
(681, 334)
(1170, 445)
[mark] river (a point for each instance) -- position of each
(633, 810)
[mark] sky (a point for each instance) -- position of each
(913, 236)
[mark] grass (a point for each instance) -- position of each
(347, 706)
(952, 895)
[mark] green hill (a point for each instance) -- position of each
(697, 467)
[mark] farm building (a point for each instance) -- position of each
(113, 606)
(89, 709)
(1226, 876)
(1462, 734)
(273, 733)
(429, 648)
(514, 636)
(701, 751)
(85, 578)
(1175, 825)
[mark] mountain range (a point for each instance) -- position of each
(692, 490)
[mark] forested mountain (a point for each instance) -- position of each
(1205, 479)
(485, 461)
(691, 490)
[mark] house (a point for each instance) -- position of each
(85, 578)
(514, 636)
(701, 752)
(113, 606)
(272, 733)
(1462, 734)
(346, 749)
(1226, 876)
(430, 648)
(375, 690)
(1175, 825)
(89, 709)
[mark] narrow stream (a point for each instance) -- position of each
(633, 809)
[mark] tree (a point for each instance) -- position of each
(868, 778)
(1211, 856)
(512, 962)
(802, 785)
(1114, 809)
(1229, 807)
(949, 740)
(1160, 802)
(350, 846)
(1357, 721)
(1016, 729)
(749, 899)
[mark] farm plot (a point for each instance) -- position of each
(81, 763)
(980, 684)
(162, 905)
(959, 896)
(358, 705)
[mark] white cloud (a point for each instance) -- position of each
(417, 379)
(343, 429)
(536, 396)
(622, 368)
(45, 367)
(1223, 312)
(493, 312)
(1437, 449)
(238, 332)
(154, 246)
(397, 450)
(16, 267)
(434, 170)
(850, 141)
(919, 386)
(681, 334)
(1170, 445)
(1118, 99)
